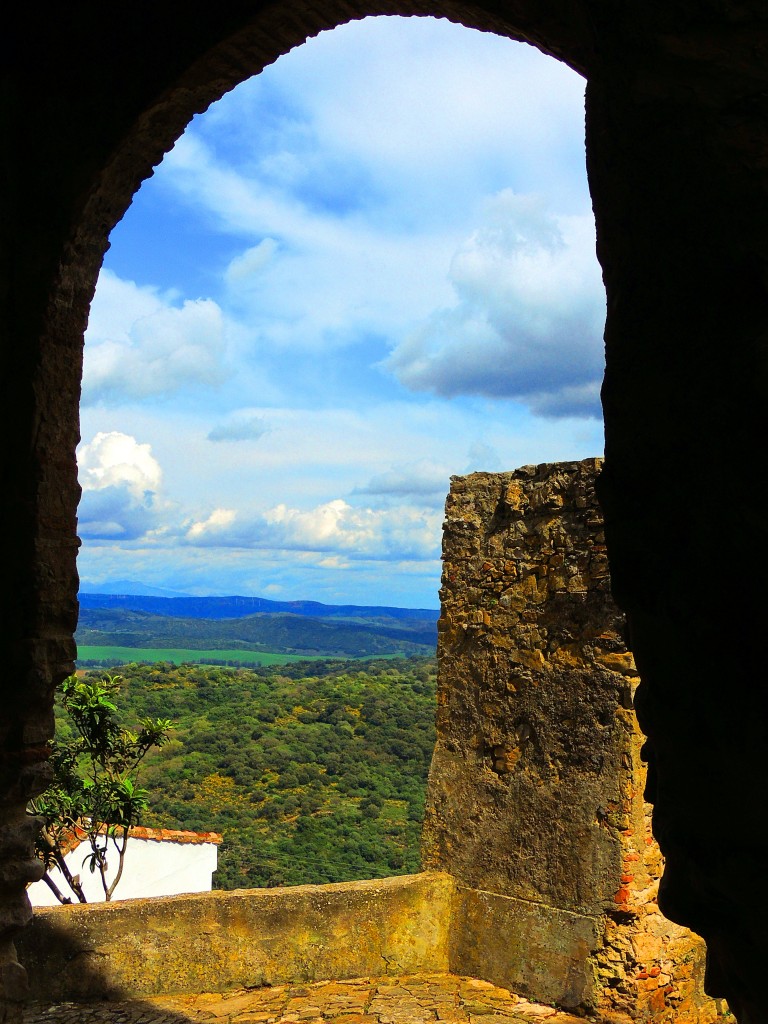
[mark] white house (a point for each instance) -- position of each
(158, 862)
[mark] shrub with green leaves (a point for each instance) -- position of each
(94, 795)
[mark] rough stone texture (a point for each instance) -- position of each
(532, 948)
(222, 940)
(535, 798)
(677, 115)
(394, 999)
(531, 721)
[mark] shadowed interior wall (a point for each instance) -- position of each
(94, 94)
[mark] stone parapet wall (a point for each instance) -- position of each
(212, 942)
(535, 801)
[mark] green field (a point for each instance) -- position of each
(182, 656)
(179, 655)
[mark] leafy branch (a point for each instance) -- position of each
(94, 795)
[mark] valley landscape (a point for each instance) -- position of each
(302, 732)
(244, 631)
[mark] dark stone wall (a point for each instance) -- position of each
(677, 161)
(94, 94)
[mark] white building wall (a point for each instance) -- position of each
(151, 868)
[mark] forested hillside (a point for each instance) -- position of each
(313, 773)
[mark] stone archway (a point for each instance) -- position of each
(676, 133)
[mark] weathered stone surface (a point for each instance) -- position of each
(220, 940)
(444, 997)
(532, 949)
(533, 727)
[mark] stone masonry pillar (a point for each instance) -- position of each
(535, 801)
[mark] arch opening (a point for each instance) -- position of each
(350, 248)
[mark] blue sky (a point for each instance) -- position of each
(362, 271)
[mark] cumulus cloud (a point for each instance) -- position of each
(528, 321)
(219, 519)
(140, 345)
(334, 528)
(242, 427)
(120, 480)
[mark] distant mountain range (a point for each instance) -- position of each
(305, 628)
(238, 607)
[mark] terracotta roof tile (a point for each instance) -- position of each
(155, 835)
(171, 835)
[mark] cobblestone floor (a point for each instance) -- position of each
(413, 999)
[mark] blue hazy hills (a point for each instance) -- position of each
(253, 623)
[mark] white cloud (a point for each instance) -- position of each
(139, 345)
(316, 280)
(120, 480)
(406, 111)
(219, 519)
(252, 262)
(374, 147)
(117, 459)
(335, 527)
(528, 321)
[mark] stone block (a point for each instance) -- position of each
(535, 950)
